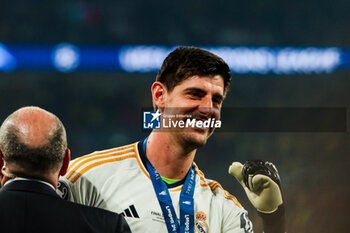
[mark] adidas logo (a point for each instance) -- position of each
(130, 212)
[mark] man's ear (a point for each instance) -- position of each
(1, 160)
(3, 179)
(159, 92)
(1, 165)
(65, 164)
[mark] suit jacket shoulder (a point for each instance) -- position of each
(30, 206)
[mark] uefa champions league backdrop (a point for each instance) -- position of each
(67, 57)
(93, 63)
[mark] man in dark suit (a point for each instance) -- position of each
(34, 153)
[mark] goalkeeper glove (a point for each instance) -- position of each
(261, 183)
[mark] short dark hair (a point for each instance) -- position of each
(185, 62)
(34, 160)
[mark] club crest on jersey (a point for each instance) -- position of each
(201, 226)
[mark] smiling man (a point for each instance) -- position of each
(154, 183)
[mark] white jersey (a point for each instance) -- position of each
(117, 180)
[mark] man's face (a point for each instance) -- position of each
(201, 97)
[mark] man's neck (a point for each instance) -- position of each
(18, 172)
(169, 158)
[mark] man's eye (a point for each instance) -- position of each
(217, 101)
(195, 94)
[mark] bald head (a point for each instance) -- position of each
(34, 126)
(33, 140)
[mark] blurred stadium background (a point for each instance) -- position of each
(101, 106)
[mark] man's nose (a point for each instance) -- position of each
(206, 102)
(207, 109)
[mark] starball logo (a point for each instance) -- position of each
(157, 120)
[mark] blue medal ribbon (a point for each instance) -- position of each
(186, 224)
